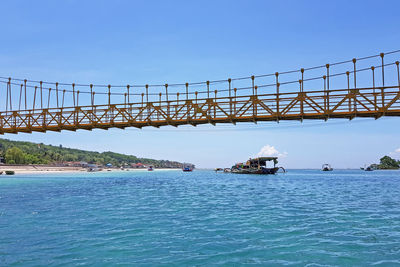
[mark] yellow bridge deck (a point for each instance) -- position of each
(325, 104)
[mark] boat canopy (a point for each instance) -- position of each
(261, 161)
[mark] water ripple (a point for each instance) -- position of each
(304, 217)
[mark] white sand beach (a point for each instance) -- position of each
(27, 169)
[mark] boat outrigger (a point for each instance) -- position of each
(256, 166)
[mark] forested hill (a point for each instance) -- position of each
(17, 152)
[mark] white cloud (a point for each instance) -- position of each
(270, 151)
(395, 153)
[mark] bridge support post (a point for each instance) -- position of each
(324, 77)
(230, 97)
(278, 111)
(166, 95)
(34, 99)
(44, 112)
(255, 103)
(277, 94)
(20, 97)
(56, 95)
(354, 73)
(208, 89)
(73, 93)
(327, 76)
(398, 74)
(142, 109)
(215, 103)
(26, 106)
(373, 88)
(15, 114)
(234, 104)
(41, 95)
(301, 98)
(187, 98)
(383, 80)
(348, 89)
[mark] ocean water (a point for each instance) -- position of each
(171, 218)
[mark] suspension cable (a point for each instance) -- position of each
(210, 82)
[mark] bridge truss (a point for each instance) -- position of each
(42, 108)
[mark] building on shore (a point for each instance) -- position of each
(82, 164)
(138, 165)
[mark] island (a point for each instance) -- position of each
(26, 157)
(386, 163)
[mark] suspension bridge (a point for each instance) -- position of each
(359, 87)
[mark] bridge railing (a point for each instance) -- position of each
(372, 71)
(365, 86)
(343, 103)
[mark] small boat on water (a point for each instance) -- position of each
(256, 166)
(93, 168)
(150, 168)
(187, 167)
(10, 172)
(326, 167)
(368, 169)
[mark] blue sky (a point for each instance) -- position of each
(122, 42)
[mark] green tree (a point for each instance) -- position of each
(33, 159)
(388, 163)
(44, 154)
(15, 155)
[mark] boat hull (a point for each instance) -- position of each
(256, 171)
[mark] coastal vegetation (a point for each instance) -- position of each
(387, 163)
(17, 152)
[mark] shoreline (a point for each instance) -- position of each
(41, 169)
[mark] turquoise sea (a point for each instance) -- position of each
(171, 218)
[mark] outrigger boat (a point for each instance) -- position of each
(187, 167)
(255, 166)
(326, 167)
(368, 169)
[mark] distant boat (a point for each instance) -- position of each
(368, 169)
(150, 168)
(93, 169)
(10, 172)
(187, 167)
(326, 167)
